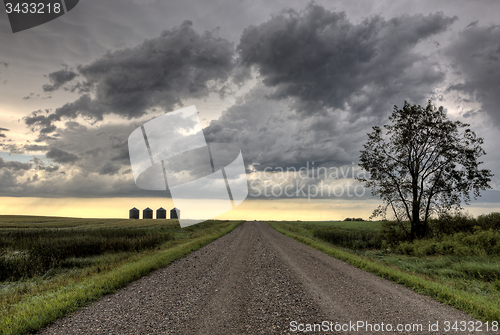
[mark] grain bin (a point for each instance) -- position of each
(175, 213)
(161, 213)
(133, 213)
(147, 213)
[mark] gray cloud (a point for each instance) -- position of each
(321, 60)
(109, 169)
(271, 135)
(35, 147)
(341, 78)
(29, 96)
(58, 79)
(52, 168)
(61, 156)
(163, 71)
(13, 165)
(100, 149)
(95, 163)
(3, 129)
(5, 64)
(476, 57)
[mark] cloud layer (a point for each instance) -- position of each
(161, 72)
(320, 82)
(475, 55)
(321, 60)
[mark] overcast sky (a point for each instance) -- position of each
(289, 82)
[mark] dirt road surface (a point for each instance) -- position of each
(256, 281)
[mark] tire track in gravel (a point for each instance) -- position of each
(254, 280)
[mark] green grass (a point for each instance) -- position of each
(478, 243)
(35, 301)
(357, 225)
(28, 252)
(469, 283)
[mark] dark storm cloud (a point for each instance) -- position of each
(61, 156)
(52, 168)
(181, 63)
(100, 150)
(58, 79)
(270, 135)
(13, 165)
(476, 57)
(109, 169)
(342, 78)
(322, 60)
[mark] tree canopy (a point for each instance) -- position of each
(422, 164)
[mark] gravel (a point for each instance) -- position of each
(256, 281)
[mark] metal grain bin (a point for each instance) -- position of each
(161, 213)
(175, 213)
(133, 213)
(147, 213)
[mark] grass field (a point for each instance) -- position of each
(50, 266)
(461, 269)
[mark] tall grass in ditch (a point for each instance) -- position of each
(479, 243)
(25, 253)
(351, 239)
(459, 248)
(458, 234)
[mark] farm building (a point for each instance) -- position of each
(147, 213)
(161, 213)
(133, 213)
(175, 213)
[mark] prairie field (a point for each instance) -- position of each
(50, 266)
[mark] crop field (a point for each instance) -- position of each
(49, 266)
(463, 261)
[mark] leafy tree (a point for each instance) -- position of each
(422, 164)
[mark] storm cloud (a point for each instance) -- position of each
(181, 63)
(323, 79)
(324, 82)
(321, 60)
(58, 79)
(61, 156)
(13, 165)
(475, 55)
(272, 136)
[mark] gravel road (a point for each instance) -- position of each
(256, 281)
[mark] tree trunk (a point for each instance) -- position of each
(415, 224)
